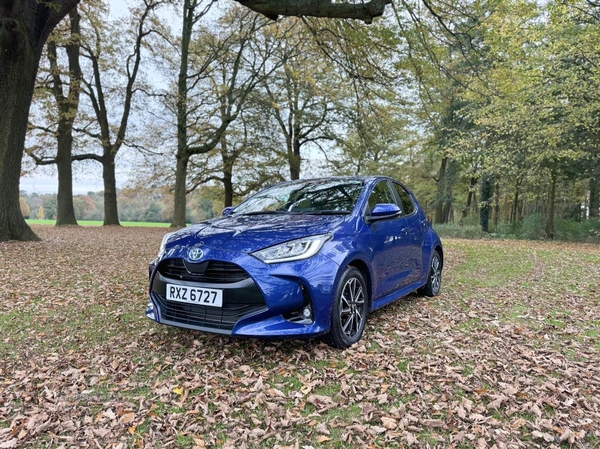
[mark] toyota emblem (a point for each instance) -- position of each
(195, 254)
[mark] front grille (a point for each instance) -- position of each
(212, 272)
(241, 296)
(217, 318)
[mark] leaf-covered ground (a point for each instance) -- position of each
(507, 356)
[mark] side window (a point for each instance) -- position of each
(381, 194)
(407, 205)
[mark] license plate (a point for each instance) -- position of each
(195, 295)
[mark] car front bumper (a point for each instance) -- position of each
(291, 299)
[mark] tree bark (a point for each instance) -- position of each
(594, 197)
(228, 182)
(295, 160)
(551, 201)
(514, 214)
(182, 114)
(65, 211)
(67, 106)
(179, 207)
(365, 11)
(111, 211)
(496, 214)
(24, 28)
(17, 74)
(439, 202)
(486, 197)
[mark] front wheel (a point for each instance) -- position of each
(434, 277)
(349, 314)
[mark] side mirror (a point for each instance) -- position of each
(227, 211)
(383, 211)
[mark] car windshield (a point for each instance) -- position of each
(310, 197)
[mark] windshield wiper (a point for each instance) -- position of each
(264, 212)
(328, 212)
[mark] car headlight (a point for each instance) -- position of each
(163, 244)
(298, 249)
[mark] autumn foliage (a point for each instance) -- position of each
(507, 356)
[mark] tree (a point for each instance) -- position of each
(377, 140)
(24, 27)
(535, 105)
(50, 207)
(112, 137)
(299, 96)
(232, 64)
(64, 113)
(185, 83)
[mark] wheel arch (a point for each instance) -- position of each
(440, 251)
(364, 269)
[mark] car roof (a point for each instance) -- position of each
(364, 178)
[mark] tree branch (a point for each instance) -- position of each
(365, 11)
(85, 157)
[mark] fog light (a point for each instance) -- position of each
(306, 312)
(150, 310)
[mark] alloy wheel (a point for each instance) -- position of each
(352, 303)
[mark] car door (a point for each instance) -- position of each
(390, 243)
(414, 229)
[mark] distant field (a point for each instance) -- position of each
(99, 223)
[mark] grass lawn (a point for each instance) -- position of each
(507, 356)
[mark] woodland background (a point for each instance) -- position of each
(487, 110)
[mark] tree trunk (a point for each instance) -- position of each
(470, 197)
(65, 211)
(594, 197)
(295, 160)
(228, 186)
(496, 214)
(439, 201)
(486, 197)
(179, 207)
(111, 212)
(18, 66)
(227, 179)
(24, 28)
(514, 214)
(447, 213)
(67, 106)
(550, 212)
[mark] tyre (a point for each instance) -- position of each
(349, 314)
(434, 277)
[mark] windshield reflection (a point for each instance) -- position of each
(320, 197)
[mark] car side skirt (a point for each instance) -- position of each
(384, 300)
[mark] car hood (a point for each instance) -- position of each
(247, 233)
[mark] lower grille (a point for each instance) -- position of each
(241, 296)
(217, 318)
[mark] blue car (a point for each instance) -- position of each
(299, 259)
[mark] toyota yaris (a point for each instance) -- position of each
(298, 259)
